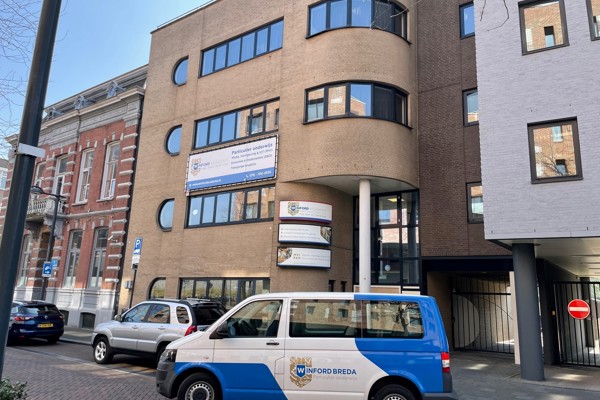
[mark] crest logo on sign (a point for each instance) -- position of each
(293, 207)
(195, 167)
(298, 369)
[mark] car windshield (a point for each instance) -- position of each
(207, 315)
(39, 309)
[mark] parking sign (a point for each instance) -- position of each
(47, 269)
(137, 250)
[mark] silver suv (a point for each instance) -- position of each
(148, 328)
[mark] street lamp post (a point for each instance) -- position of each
(56, 197)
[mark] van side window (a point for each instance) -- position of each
(384, 319)
(325, 318)
(257, 319)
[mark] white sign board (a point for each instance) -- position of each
(305, 210)
(303, 257)
(234, 164)
(297, 233)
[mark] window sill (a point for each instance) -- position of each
(557, 179)
(105, 199)
(525, 52)
(80, 203)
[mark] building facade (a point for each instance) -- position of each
(90, 141)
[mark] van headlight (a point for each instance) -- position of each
(168, 355)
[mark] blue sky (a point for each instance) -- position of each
(98, 40)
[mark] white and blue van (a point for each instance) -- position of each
(301, 346)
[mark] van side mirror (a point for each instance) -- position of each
(221, 332)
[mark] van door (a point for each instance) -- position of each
(321, 358)
(246, 359)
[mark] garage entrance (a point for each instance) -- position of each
(578, 338)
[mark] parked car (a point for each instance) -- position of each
(147, 328)
(35, 319)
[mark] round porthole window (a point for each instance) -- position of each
(180, 72)
(165, 215)
(174, 141)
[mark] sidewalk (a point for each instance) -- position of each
(485, 376)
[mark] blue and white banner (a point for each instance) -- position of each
(297, 233)
(303, 257)
(234, 164)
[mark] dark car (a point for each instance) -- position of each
(35, 319)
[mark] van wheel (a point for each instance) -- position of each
(198, 387)
(394, 392)
(103, 354)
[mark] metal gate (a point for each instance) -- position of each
(578, 338)
(481, 314)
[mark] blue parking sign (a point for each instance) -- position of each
(47, 269)
(137, 246)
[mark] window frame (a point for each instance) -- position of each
(24, 261)
(159, 212)
(471, 218)
(60, 176)
(254, 32)
(591, 21)
(168, 140)
(70, 277)
(160, 279)
(373, 114)
(85, 176)
(462, 9)
(576, 150)
(466, 94)
(108, 163)
(563, 20)
(176, 69)
(97, 271)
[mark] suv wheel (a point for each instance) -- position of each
(103, 354)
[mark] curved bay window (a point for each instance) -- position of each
(379, 14)
(395, 249)
(357, 99)
(227, 291)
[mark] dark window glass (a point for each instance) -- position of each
(360, 99)
(475, 199)
(467, 20)
(392, 320)
(165, 216)
(383, 16)
(159, 314)
(180, 73)
(383, 103)
(361, 13)
(174, 141)
(338, 14)
(208, 209)
(208, 61)
(228, 127)
(201, 134)
(248, 46)
(233, 52)
(276, 39)
(215, 131)
(401, 109)
(318, 18)
(220, 57)
(262, 38)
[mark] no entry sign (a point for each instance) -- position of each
(578, 309)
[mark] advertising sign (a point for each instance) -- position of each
(290, 233)
(234, 164)
(305, 210)
(303, 257)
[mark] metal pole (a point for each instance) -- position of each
(56, 197)
(364, 236)
(18, 199)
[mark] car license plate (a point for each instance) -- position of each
(45, 325)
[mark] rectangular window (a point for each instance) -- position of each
(111, 163)
(72, 259)
(276, 37)
(360, 99)
(336, 101)
(248, 46)
(361, 13)
(325, 318)
(232, 207)
(390, 319)
(338, 15)
(557, 134)
(318, 19)
(201, 134)
(314, 105)
(60, 174)
(594, 17)
(85, 174)
(24, 261)
(220, 57)
(3, 176)
(467, 20)
(98, 257)
(208, 61)
(257, 120)
(553, 160)
(262, 41)
(233, 52)
(272, 116)
(470, 107)
(543, 25)
(475, 201)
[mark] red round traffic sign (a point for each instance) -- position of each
(578, 309)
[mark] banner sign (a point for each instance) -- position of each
(290, 233)
(303, 257)
(305, 210)
(234, 164)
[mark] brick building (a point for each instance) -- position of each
(90, 141)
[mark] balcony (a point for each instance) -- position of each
(40, 210)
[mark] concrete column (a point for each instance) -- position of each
(364, 236)
(528, 312)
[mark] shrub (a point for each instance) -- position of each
(9, 391)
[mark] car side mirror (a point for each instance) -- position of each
(221, 332)
(118, 317)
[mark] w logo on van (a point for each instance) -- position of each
(298, 370)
